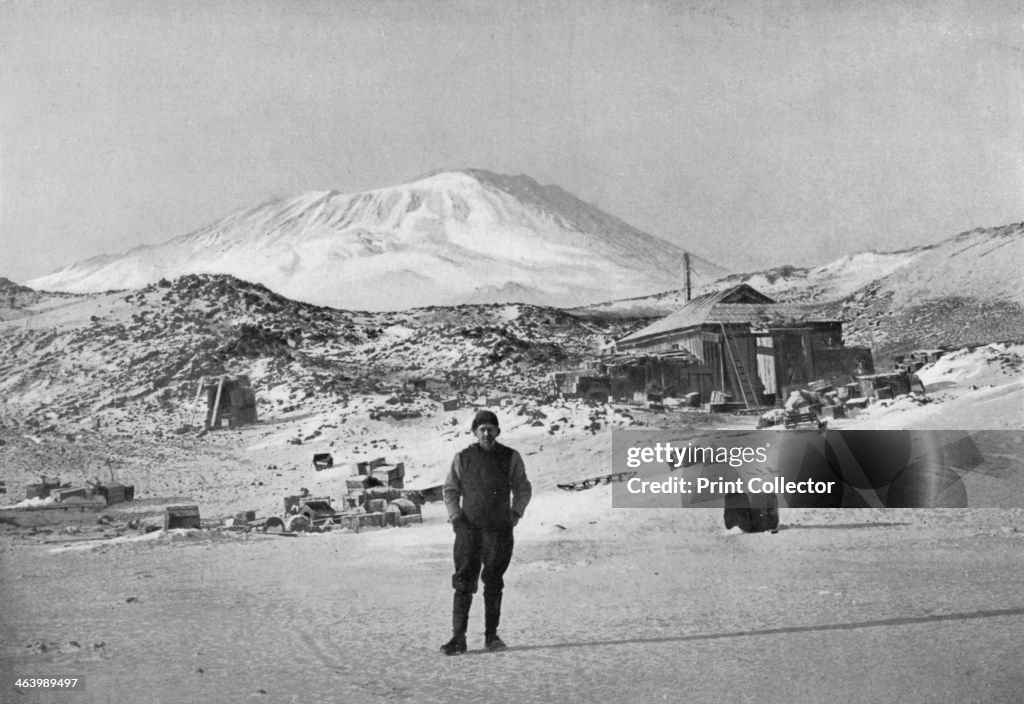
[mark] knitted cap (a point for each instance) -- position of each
(484, 418)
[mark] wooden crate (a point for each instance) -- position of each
(376, 505)
(359, 521)
(430, 493)
(181, 517)
(390, 475)
(365, 466)
(384, 492)
(355, 485)
(79, 492)
(372, 519)
(116, 493)
(42, 489)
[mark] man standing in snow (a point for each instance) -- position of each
(486, 494)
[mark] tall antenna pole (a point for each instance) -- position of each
(686, 261)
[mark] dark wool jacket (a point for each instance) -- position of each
(487, 486)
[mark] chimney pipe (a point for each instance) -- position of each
(686, 261)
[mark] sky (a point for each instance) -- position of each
(754, 134)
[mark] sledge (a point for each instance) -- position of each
(794, 418)
(581, 484)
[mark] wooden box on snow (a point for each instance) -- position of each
(376, 505)
(62, 495)
(322, 460)
(365, 466)
(390, 475)
(356, 484)
(181, 517)
(116, 493)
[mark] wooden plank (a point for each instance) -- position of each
(215, 415)
(195, 402)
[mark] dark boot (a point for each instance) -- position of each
(492, 618)
(460, 622)
(456, 646)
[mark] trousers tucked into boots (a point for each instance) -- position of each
(461, 604)
(492, 612)
(460, 613)
(480, 555)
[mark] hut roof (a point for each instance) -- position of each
(738, 305)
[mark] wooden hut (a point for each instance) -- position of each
(231, 399)
(741, 343)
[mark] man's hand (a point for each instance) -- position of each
(515, 519)
(457, 519)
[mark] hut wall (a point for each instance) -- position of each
(693, 344)
(775, 362)
(675, 379)
(814, 353)
(793, 366)
(766, 368)
(715, 362)
(665, 378)
(690, 341)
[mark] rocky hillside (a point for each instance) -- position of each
(16, 300)
(149, 348)
(874, 318)
(963, 291)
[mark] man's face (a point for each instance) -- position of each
(486, 435)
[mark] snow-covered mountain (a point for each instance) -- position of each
(980, 264)
(448, 238)
(984, 264)
(964, 290)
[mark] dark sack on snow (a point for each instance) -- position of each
(753, 513)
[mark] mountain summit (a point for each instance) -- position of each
(448, 238)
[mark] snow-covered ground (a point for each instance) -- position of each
(979, 389)
(602, 604)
